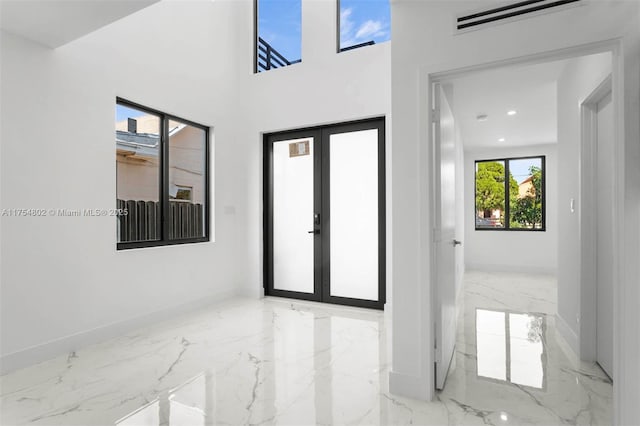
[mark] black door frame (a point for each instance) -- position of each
(322, 285)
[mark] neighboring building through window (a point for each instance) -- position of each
(509, 194)
(278, 33)
(161, 172)
(362, 23)
(181, 193)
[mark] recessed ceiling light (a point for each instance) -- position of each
(501, 140)
(482, 117)
(503, 416)
(512, 112)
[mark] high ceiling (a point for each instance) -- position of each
(529, 90)
(54, 23)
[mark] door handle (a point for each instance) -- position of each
(457, 243)
(316, 222)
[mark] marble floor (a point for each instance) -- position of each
(277, 361)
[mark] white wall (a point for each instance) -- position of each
(191, 59)
(579, 78)
(424, 43)
(326, 87)
(522, 251)
(63, 282)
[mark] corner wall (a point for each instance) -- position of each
(57, 151)
(64, 284)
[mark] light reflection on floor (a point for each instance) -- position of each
(189, 404)
(510, 347)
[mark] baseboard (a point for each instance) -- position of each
(484, 267)
(46, 351)
(410, 386)
(567, 338)
(254, 292)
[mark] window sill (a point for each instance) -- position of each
(145, 244)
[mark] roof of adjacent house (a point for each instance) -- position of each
(145, 142)
(529, 179)
(138, 144)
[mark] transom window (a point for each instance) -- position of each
(278, 33)
(509, 194)
(363, 23)
(162, 172)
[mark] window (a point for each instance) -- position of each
(162, 165)
(363, 23)
(278, 33)
(510, 194)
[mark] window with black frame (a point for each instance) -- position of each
(510, 194)
(363, 23)
(278, 32)
(162, 173)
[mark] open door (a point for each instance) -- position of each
(444, 233)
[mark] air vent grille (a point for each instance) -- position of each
(507, 12)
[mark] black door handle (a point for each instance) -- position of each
(315, 231)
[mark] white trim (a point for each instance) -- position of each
(409, 386)
(567, 335)
(587, 217)
(46, 351)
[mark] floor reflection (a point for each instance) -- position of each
(300, 370)
(275, 361)
(189, 404)
(511, 347)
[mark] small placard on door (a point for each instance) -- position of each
(297, 149)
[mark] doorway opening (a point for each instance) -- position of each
(324, 221)
(532, 286)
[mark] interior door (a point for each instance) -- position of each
(604, 235)
(324, 216)
(444, 233)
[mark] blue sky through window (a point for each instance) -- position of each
(519, 169)
(123, 112)
(364, 20)
(280, 25)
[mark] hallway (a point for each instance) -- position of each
(275, 361)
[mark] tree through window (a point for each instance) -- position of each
(509, 194)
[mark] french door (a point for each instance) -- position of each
(324, 218)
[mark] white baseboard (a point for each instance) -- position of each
(254, 292)
(567, 338)
(410, 386)
(45, 351)
(484, 267)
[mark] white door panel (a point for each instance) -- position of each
(353, 174)
(293, 216)
(445, 186)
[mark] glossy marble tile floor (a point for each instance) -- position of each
(277, 361)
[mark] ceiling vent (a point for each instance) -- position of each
(509, 12)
